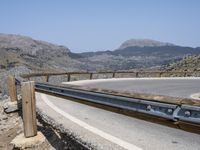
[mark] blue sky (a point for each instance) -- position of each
(91, 25)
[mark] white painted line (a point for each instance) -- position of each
(195, 96)
(82, 82)
(90, 128)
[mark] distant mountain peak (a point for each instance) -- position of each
(143, 43)
(28, 45)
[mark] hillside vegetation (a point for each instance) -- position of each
(190, 63)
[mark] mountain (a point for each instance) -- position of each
(143, 43)
(17, 50)
(21, 54)
(29, 46)
(143, 54)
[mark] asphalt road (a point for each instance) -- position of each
(178, 87)
(107, 130)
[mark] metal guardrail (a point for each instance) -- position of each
(175, 112)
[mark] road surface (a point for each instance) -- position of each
(178, 87)
(107, 130)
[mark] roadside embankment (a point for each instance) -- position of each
(11, 126)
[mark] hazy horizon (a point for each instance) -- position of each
(102, 25)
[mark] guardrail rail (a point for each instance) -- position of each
(171, 109)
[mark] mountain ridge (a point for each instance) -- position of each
(31, 52)
(28, 45)
(143, 43)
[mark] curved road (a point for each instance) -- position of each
(178, 87)
(107, 130)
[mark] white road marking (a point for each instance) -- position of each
(82, 82)
(195, 96)
(92, 129)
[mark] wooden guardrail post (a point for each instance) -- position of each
(12, 88)
(91, 74)
(113, 75)
(47, 78)
(68, 77)
(160, 74)
(185, 74)
(136, 74)
(29, 109)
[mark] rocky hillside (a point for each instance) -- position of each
(34, 54)
(190, 63)
(21, 54)
(29, 46)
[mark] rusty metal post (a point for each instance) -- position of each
(29, 109)
(12, 88)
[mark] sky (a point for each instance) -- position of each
(93, 25)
